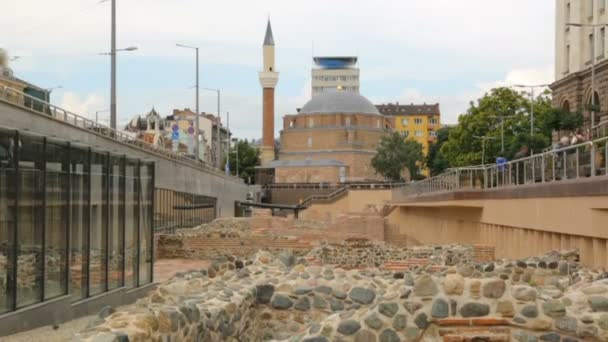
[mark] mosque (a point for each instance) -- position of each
(331, 139)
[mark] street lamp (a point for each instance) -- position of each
(531, 87)
(593, 27)
(48, 92)
(502, 131)
(97, 114)
(236, 144)
(196, 115)
(218, 148)
(483, 146)
(112, 55)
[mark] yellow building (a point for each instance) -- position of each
(418, 122)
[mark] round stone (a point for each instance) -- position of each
(362, 295)
(440, 308)
(264, 293)
(524, 293)
(336, 305)
(598, 303)
(388, 309)
(567, 324)
(425, 286)
(373, 321)
(281, 302)
(389, 335)
(530, 311)
(319, 303)
(365, 336)
(505, 308)
(551, 337)
(494, 289)
(303, 304)
(315, 339)
(349, 327)
(474, 310)
(400, 322)
(453, 284)
(421, 321)
(554, 309)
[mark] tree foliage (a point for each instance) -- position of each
(248, 159)
(396, 153)
(464, 147)
(435, 160)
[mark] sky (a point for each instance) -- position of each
(434, 51)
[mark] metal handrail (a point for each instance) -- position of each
(36, 105)
(584, 160)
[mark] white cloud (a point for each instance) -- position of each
(452, 105)
(84, 106)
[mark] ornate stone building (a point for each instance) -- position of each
(579, 49)
(332, 139)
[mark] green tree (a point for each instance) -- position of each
(248, 159)
(435, 160)
(484, 118)
(396, 153)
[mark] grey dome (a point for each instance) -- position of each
(339, 102)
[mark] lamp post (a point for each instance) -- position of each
(483, 146)
(531, 87)
(48, 93)
(502, 130)
(196, 115)
(218, 148)
(97, 114)
(112, 55)
(593, 27)
(236, 146)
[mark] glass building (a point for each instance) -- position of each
(75, 222)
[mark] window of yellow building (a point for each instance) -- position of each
(404, 121)
(433, 121)
(419, 133)
(418, 121)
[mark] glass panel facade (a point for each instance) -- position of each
(73, 221)
(145, 222)
(131, 222)
(56, 220)
(79, 174)
(31, 220)
(98, 238)
(115, 276)
(7, 217)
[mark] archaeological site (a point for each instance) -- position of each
(354, 278)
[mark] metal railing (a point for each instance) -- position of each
(34, 104)
(323, 185)
(585, 160)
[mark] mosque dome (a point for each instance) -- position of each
(339, 102)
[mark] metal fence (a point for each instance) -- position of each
(588, 159)
(176, 209)
(20, 99)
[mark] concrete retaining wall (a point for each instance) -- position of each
(169, 174)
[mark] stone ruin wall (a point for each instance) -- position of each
(547, 298)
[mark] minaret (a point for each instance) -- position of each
(268, 79)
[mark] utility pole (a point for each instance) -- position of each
(196, 101)
(113, 69)
(483, 146)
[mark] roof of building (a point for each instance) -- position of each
(411, 109)
(303, 163)
(339, 102)
(337, 62)
(268, 39)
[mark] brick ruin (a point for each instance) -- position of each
(279, 279)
